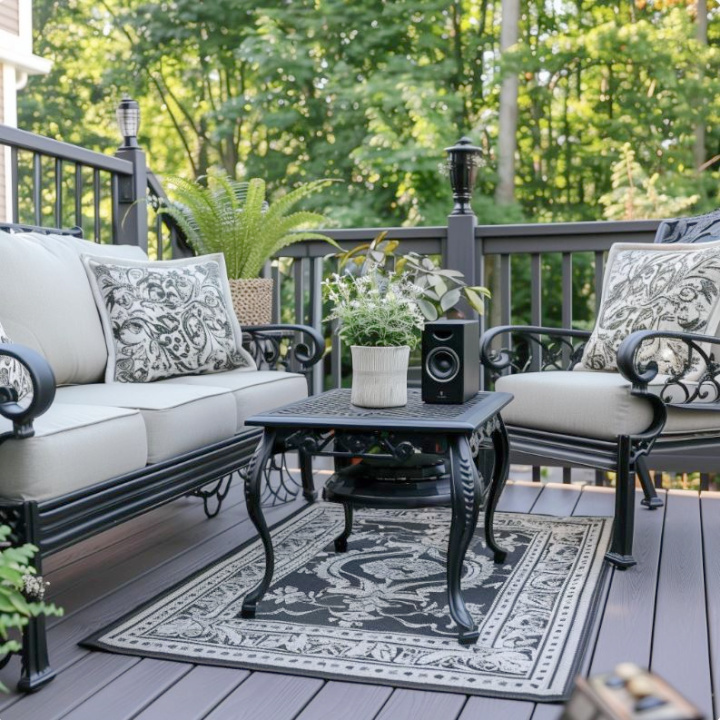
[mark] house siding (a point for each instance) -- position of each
(3, 150)
(10, 16)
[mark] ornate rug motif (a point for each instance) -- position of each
(378, 613)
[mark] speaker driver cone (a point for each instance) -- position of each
(442, 364)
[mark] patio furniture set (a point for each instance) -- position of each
(81, 452)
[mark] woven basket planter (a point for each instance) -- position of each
(379, 377)
(252, 300)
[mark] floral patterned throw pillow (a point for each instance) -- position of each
(656, 287)
(168, 318)
(13, 373)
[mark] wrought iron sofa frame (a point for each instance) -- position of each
(548, 349)
(60, 522)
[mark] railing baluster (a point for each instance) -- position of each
(316, 308)
(505, 290)
(567, 290)
(599, 275)
(536, 304)
(96, 205)
(15, 189)
(115, 206)
(159, 237)
(58, 209)
(336, 351)
(277, 292)
(299, 277)
(37, 188)
(78, 195)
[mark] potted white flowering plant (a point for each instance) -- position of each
(378, 316)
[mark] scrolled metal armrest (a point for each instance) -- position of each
(557, 353)
(43, 382)
(641, 375)
(264, 344)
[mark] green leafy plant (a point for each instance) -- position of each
(441, 290)
(375, 310)
(21, 592)
(236, 219)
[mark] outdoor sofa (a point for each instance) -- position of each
(81, 455)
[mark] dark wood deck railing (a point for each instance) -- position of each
(114, 199)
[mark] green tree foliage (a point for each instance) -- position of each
(370, 92)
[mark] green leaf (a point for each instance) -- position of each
(476, 301)
(449, 300)
(427, 309)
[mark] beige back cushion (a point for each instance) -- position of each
(46, 302)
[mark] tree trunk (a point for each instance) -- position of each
(702, 36)
(507, 130)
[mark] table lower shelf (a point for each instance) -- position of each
(360, 490)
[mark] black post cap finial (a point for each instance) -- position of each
(128, 120)
(463, 162)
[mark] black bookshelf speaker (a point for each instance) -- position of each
(450, 361)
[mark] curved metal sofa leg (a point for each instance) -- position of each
(36, 671)
(651, 499)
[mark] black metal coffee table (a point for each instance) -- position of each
(418, 455)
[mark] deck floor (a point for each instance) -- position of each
(664, 614)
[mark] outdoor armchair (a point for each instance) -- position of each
(610, 421)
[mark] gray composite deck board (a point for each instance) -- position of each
(195, 695)
(422, 705)
(131, 692)
(680, 650)
(561, 502)
(78, 684)
(627, 627)
(710, 508)
(596, 502)
(268, 695)
(165, 546)
(494, 709)
(519, 497)
(346, 701)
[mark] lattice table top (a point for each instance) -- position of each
(332, 409)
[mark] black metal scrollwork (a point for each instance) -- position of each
(43, 382)
(532, 348)
(679, 388)
(288, 347)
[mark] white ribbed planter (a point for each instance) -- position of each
(379, 377)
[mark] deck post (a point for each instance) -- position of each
(132, 221)
(459, 249)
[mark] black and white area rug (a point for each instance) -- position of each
(378, 613)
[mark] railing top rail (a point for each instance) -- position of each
(24, 140)
(593, 228)
(403, 233)
(563, 237)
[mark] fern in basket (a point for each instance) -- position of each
(236, 219)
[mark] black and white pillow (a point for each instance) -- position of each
(656, 287)
(163, 319)
(13, 373)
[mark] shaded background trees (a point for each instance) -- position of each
(369, 92)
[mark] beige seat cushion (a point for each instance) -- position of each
(177, 418)
(74, 446)
(590, 404)
(255, 391)
(46, 301)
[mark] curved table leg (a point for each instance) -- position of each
(501, 447)
(253, 482)
(465, 499)
(341, 540)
